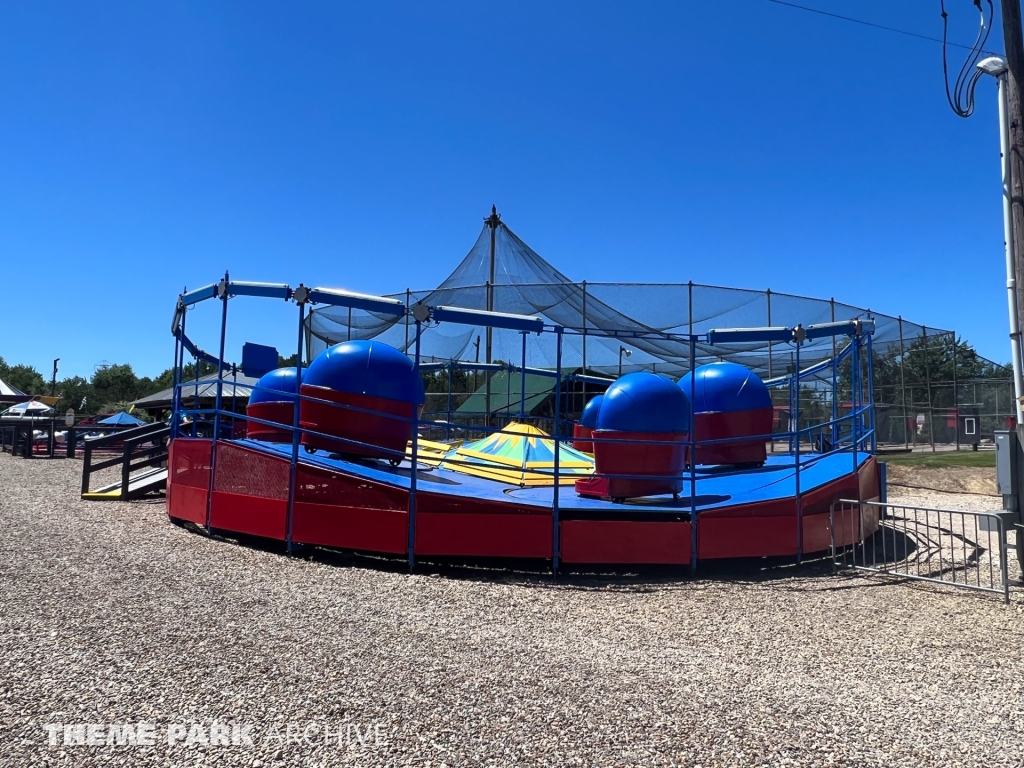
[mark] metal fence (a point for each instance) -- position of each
(944, 546)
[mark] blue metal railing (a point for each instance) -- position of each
(858, 439)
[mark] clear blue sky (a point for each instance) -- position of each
(148, 146)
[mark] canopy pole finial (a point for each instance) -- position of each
(492, 223)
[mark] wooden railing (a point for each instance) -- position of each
(142, 446)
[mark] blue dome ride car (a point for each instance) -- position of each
(367, 394)
(640, 439)
(730, 402)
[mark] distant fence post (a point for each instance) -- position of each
(956, 393)
(928, 389)
(903, 389)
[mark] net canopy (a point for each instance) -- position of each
(666, 314)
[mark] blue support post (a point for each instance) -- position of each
(448, 421)
(789, 430)
(195, 398)
(693, 456)
(796, 427)
(835, 403)
(414, 463)
(871, 397)
(293, 467)
(179, 375)
(220, 362)
(218, 400)
(522, 383)
(556, 539)
(854, 386)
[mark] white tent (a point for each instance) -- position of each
(6, 390)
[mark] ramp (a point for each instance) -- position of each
(138, 485)
(142, 448)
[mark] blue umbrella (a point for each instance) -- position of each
(121, 419)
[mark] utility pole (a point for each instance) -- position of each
(1013, 44)
(492, 222)
(53, 380)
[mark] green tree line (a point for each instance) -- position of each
(110, 389)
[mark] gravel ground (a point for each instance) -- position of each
(111, 615)
(970, 480)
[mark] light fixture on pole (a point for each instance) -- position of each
(623, 351)
(996, 66)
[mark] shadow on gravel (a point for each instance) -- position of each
(815, 573)
(537, 573)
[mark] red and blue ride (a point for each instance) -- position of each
(681, 470)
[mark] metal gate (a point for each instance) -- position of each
(945, 546)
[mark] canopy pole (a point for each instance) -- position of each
(584, 396)
(692, 450)
(414, 464)
(689, 303)
(796, 426)
(522, 384)
(768, 294)
(492, 223)
(555, 516)
(408, 293)
(448, 420)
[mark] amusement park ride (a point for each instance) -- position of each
(335, 453)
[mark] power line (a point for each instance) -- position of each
(961, 99)
(878, 26)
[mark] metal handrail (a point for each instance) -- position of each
(131, 439)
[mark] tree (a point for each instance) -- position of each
(112, 387)
(23, 377)
(922, 379)
(437, 381)
(166, 379)
(73, 392)
(929, 364)
(115, 383)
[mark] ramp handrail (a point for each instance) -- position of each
(131, 458)
(117, 435)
